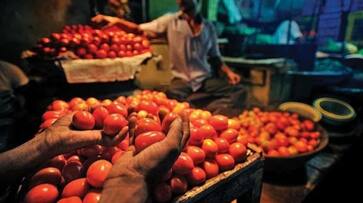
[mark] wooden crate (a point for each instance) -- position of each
(243, 183)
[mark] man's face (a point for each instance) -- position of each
(189, 7)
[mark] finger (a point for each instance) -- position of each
(66, 120)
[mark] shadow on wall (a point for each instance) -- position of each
(23, 22)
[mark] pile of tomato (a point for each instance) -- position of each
(213, 147)
(279, 134)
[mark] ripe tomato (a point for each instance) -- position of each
(225, 161)
(100, 113)
(83, 120)
(183, 165)
(238, 151)
(52, 115)
(117, 108)
(211, 168)
(70, 200)
(59, 105)
(57, 162)
(72, 170)
(230, 135)
(113, 123)
(49, 175)
(197, 176)
(148, 106)
(168, 119)
(178, 185)
(222, 144)
(148, 138)
(196, 153)
(210, 148)
(78, 187)
(146, 125)
(162, 192)
(97, 173)
(93, 196)
(45, 193)
(90, 151)
(207, 131)
(219, 122)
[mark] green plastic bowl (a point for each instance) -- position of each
(334, 111)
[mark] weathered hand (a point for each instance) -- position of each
(62, 138)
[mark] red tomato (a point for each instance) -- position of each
(97, 173)
(168, 119)
(72, 170)
(196, 153)
(78, 187)
(148, 106)
(178, 185)
(148, 138)
(162, 192)
(45, 193)
(83, 120)
(207, 131)
(211, 168)
(93, 196)
(230, 135)
(219, 122)
(49, 175)
(57, 162)
(146, 125)
(197, 176)
(52, 115)
(199, 122)
(113, 123)
(90, 151)
(117, 108)
(225, 161)
(100, 113)
(59, 105)
(210, 148)
(116, 156)
(48, 123)
(70, 200)
(183, 165)
(238, 151)
(222, 144)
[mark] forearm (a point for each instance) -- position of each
(14, 163)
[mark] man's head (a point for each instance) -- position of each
(189, 7)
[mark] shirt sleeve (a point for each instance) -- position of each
(158, 25)
(214, 48)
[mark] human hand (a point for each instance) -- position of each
(132, 173)
(61, 138)
(233, 78)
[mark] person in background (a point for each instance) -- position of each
(192, 43)
(130, 175)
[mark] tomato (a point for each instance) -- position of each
(97, 173)
(48, 123)
(219, 122)
(178, 185)
(146, 125)
(83, 120)
(116, 156)
(148, 138)
(59, 105)
(78, 187)
(210, 148)
(90, 151)
(117, 108)
(211, 168)
(70, 200)
(52, 115)
(168, 119)
(238, 151)
(183, 165)
(196, 153)
(72, 170)
(162, 192)
(225, 161)
(113, 123)
(93, 196)
(197, 176)
(49, 175)
(207, 131)
(45, 193)
(230, 135)
(57, 162)
(199, 122)
(100, 113)
(234, 124)
(222, 144)
(148, 106)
